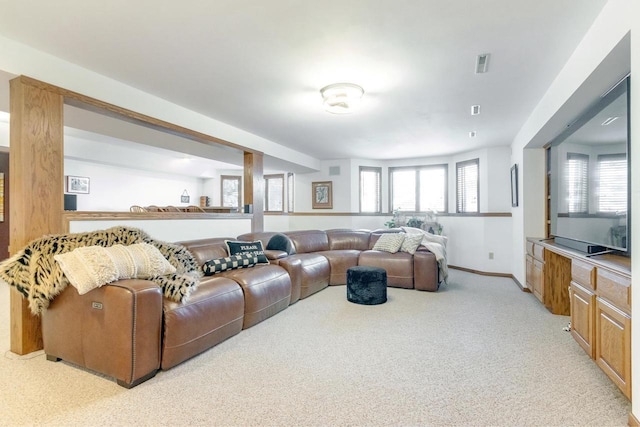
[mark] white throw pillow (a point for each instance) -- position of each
(90, 267)
(389, 242)
(410, 243)
(87, 268)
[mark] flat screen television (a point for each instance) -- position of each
(589, 177)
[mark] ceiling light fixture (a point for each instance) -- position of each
(482, 63)
(475, 110)
(609, 121)
(341, 98)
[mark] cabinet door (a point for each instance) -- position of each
(530, 272)
(613, 344)
(538, 277)
(582, 317)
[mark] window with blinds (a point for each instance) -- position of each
(468, 186)
(612, 194)
(370, 189)
(577, 176)
(274, 193)
(419, 188)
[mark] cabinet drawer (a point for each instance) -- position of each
(529, 248)
(583, 273)
(615, 289)
(538, 252)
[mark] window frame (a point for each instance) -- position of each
(584, 204)
(290, 192)
(268, 178)
(459, 201)
(378, 171)
(237, 178)
(417, 169)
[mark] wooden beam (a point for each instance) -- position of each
(35, 188)
(254, 188)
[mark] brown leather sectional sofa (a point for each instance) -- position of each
(128, 331)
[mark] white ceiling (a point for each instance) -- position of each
(259, 65)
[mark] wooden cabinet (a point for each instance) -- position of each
(535, 269)
(613, 344)
(582, 317)
(596, 292)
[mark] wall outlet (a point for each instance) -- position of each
(490, 255)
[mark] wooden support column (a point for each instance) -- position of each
(35, 188)
(254, 188)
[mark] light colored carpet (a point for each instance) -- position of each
(479, 352)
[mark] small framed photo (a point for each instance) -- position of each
(77, 184)
(514, 185)
(322, 195)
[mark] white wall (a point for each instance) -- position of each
(173, 230)
(116, 189)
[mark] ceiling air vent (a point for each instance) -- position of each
(475, 110)
(482, 63)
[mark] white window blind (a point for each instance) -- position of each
(403, 189)
(612, 194)
(274, 193)
(370, 189)
(577, 176)
(467, 186)
(433, 188)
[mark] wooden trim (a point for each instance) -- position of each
(479, 214)
(482, 215)
(633, 421)
(490, 274)
(107, 215)
(254, 188)
(91, 104)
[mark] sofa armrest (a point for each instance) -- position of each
(425, 271)
(273, 255)
(114, 329)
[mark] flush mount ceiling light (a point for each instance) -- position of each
(341, 98)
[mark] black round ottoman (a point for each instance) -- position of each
(367, 285)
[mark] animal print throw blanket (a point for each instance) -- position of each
(36, 275)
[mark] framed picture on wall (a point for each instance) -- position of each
(322, 195)
(77, 184)
(514, 185)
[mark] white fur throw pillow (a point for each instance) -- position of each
(389, 242)
(90, 267)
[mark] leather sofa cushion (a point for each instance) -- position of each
(310, 271)
(348, 239)
(340, 261)
(309, 241)
(399, 266)
(213, 313)
(267, 291)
